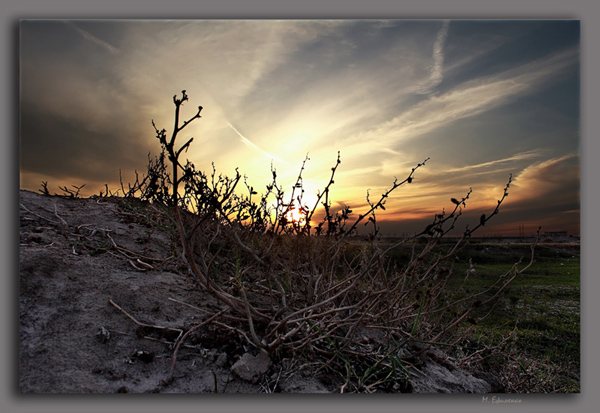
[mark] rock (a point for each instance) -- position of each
(103, 335)
(143, 355)
(436, 373)
(212, 354)
(251, 368)
(304, 385)
(435, 378)
(495, 383)
(221, 360)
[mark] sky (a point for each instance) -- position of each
(482, 99)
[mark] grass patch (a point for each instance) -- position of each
(543, 303)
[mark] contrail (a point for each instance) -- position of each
(92, 38)
(248, 142)
(437, 69)
(438, 54)
(535, 153)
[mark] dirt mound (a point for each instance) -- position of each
(104, 298)
(78, 255)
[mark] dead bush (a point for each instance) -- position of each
(314, 286)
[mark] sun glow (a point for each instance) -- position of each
(302, 209)
(295, 215)
(288, 96)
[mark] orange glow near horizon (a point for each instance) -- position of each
(385, 95)
(410, 203)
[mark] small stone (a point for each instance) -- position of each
(251, 368)
(221, 360)
(145, 356)
(103, 335)
(212, 354)
(310, 386)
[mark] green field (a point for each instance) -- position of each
(543, 303)
(539, 311)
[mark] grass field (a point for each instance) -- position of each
(544, 305)
(540, 311)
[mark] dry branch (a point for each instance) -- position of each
(298, 287)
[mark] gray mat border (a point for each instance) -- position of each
(13, 10)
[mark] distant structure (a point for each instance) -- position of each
(556, 234)
(521, 230)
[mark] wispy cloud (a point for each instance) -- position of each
(437, 66)
(249, 143)
(517, 157)
(557, 175)
(88, 36)
(475, 97)
(466, 100)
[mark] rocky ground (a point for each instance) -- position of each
(104, 299)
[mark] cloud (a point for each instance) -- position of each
(465, 100)
(249, 143)
(437, 67)
(88, 36)
(556, 178)
(298, 87)
(535, 153)
(63, 147)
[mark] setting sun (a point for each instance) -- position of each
(295, 216)
(385, 94)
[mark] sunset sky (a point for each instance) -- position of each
(481, 98)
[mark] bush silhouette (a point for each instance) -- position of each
(313, 286)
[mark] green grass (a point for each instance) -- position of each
(544, 302)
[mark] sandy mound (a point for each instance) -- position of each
(104, 298)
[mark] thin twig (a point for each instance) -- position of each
(143, 324)
(58, 216)
(37, 215)
(133, 255)
(180, 342)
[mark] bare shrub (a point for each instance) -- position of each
(311, 286)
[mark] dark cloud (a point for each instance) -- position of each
(64, 147)
(500, 45)
(501, 97)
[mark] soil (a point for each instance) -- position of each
(104, 297)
